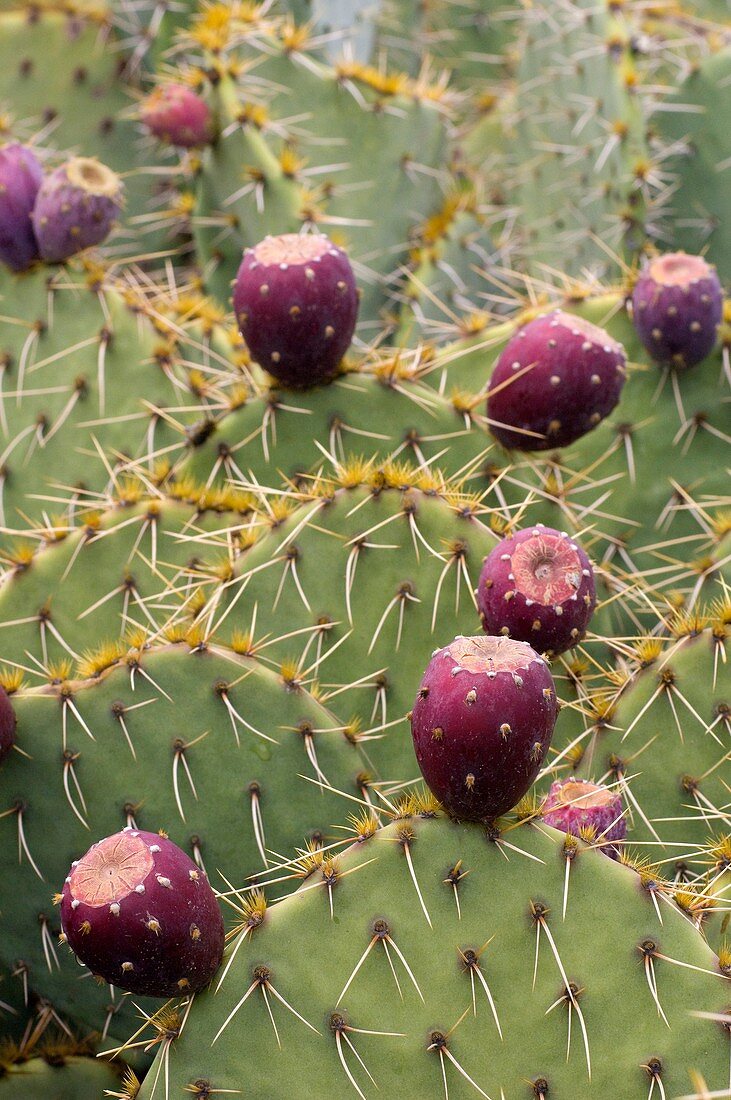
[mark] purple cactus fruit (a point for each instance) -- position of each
(482, 723)
(20, 178)
(557, 378)
(8, 723)
(137, 911)
(76, 208)
(296, 303)
(174, 114)
(677, 306)
(578, 806)
(537, 585)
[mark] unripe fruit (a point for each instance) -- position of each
(482, 723)
(175, 115)
(587, 809)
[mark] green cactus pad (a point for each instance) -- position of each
(382, 412)
(60, 1077)
(693, 124)
(87, 385)
(206, 744)
(115, 571)
(667, 741)
(433, 954)
(575, 140)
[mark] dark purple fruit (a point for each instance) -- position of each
(76, 207)
(482, 723)
(8, 723)
(137, 911)
(296, 303)
(588, 810)
(677, 305)
(537, 585)
(555, 380)
(20, 178)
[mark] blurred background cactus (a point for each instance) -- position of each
(230, 551)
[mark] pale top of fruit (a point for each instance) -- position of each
(167, 94)
(678, 269)
(583, 794)
(547, 569)
(93, 177)
(490, 655)
(591, 333)
(292, 248)
(111, 870)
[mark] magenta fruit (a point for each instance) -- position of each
(677, 305)
(175, 115)
(554, 381)
(8, 723)
(76, 208)
(537, 585)
(137, 911)
(296, 303)
(482, 723)
(586, 809)
(20, 178)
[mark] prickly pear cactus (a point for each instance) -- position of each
(448, 945)
(129, 743)
(233, 539)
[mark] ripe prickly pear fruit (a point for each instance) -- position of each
(537, 585)
(482, 723)
(76, 208)
(677, 305)
(296, 303)
(137, 911)
(20, 178)
(8, 723)
(175, 115)
(587, 809)
(557, 378)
